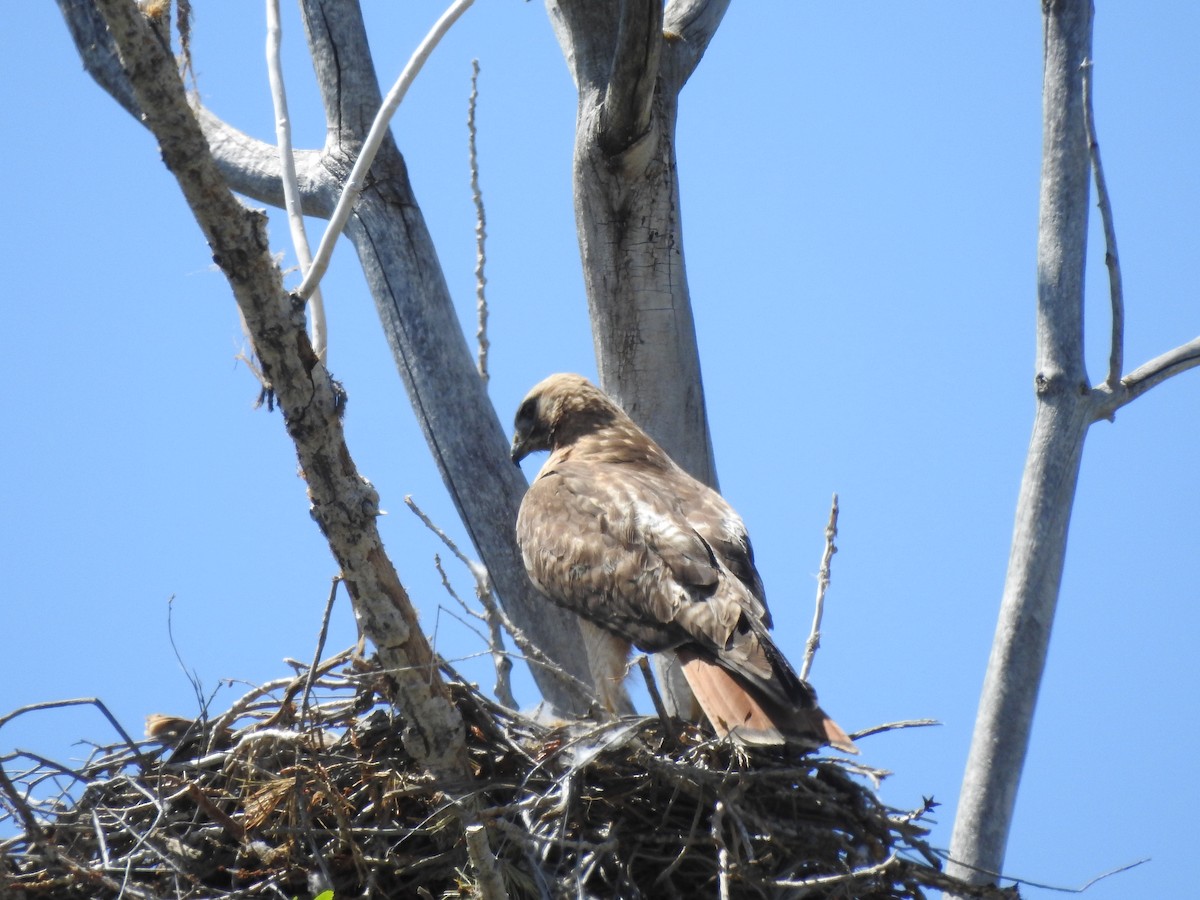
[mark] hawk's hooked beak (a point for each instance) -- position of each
(519, 450)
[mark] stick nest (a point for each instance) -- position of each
(284, 798)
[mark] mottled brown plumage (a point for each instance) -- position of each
(614, 530)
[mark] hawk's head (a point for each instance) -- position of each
(558, 411)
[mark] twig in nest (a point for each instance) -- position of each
(643, 663)
(894, 726)
(828, 880)
(718, 820)
(814, 637)
(312, 670)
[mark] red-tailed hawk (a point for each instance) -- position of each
(615, 531)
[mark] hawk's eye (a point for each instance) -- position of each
(527, 414)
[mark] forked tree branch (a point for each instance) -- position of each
(1063, 413)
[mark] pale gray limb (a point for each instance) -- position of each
(481, 308)
(251, 167)
(1116, 354)
(1066, 407)
(1064, 411)
(814, 637)
(291, 186)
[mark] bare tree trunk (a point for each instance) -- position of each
(629, 60)
(464, 434)
(1065, 409)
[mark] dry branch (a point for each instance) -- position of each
(481, 307)
(814, 637)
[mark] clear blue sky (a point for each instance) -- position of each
(860, 189)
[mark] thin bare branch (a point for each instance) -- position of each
(478, 571)
(1116, 360)
(814, 637)
(1144, 377)
(495, 619)
(829, 880)
(481, 308)
(291, 186)
(894, 726)
(78, 701)
(379, 129)
(1065, 409)
(643, 664)
(321, 637)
